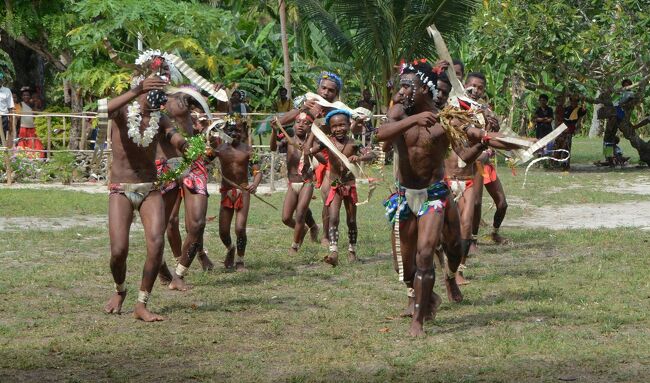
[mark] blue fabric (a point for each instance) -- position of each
(396, 202)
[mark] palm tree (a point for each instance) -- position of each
(376, 34)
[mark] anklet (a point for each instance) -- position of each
(181, 270)
(410, 292)
(120, 287)
(239, 259)
(143, 297)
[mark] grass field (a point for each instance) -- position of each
(568, 305)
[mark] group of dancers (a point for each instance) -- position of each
(442, 149)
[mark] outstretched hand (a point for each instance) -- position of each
(252, 188)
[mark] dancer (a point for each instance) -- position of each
(301, 183)
(191, 187)
(133, 178)
(343, 188)
(328, 87)
(235, 159)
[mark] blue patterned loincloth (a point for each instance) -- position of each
(436, 200)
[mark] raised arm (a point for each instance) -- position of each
(390, 130)
(150, 83)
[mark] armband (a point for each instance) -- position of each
(170, 133)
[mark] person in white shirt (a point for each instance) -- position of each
(6, 104)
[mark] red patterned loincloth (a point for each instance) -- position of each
(232, 198)
(345, 191)
(321, 169)
(196, 178)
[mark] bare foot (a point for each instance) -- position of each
(436, 301)
(417, 329)
(460, 279)
(178, 283)
(314, 232)
(499, 240)
(453, 291)
(292, 251)
(473, 249)
(332, 259)
(240, 267)
(229, 263)
(408, 311)
(142, 313)
(206, 263)
(164, 277)
(352, 257)
(114, 305)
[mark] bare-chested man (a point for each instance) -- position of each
(192, 188)
(343, 189)
(137, 128)
(301, 183)
(328, 87)
(417, 208)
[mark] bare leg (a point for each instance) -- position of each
(476, 221)
(172, 202)
(408, 238)
(196, 206)
(452, 250)
(120, 216)
(351, 214)
(240, 231)
(429, 230)
(152, 215)
(225, 220)
(314, 231)
(495, 189)
(302, 207)
(325, 191)
(288, 209)
(466, 205)
(334, 210)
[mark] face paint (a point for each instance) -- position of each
(407, 89)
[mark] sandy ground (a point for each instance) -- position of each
(585, 216)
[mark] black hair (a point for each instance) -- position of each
(281, 88)
(477, 75)
(444, 78)
(459, 62)
(626, 81)
(424, 73)
(545, 97)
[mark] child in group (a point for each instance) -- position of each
(343, 184)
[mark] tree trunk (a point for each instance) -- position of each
(76, 104)
(594, 129)
(285, 47)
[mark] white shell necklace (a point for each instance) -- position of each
(135, 119)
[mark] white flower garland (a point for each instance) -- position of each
(135, 119)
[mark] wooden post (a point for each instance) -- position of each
(272, 177)
(64, 128)
(49, 135)
(10, 146)
(82, 139)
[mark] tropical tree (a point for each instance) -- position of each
(376, 34)
(584, 46)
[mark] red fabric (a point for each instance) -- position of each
(345, 191)
(232, 198)
(196, 179)
(468, 182)
(489, 173)
(322, 169)
(161, 167)
(30, 141)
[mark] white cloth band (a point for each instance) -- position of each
(143, 297)
(120, 287)
(181, 270)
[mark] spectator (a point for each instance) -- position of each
(28, 139)
(366, 101)
(282, 104)
(573, 113)
(237, 102)
(6, 105)
(543, 117)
